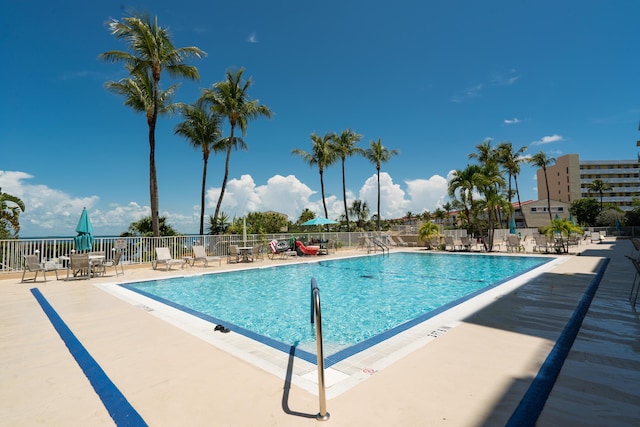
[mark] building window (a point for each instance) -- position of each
(534, 209)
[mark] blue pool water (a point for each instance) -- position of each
(364, 299)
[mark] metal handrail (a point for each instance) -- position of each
(316, 312)
(381, 245)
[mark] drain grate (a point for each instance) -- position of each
(438, 332)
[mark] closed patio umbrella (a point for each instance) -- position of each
(84, 239)
(512, 226)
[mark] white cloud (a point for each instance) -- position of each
(48, 211)
(426, 193)
(53, 212)
(548, 139)
(253, 38)
(472, 92)
(513, 121)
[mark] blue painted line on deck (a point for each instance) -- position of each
(532, 403)
(119, 408)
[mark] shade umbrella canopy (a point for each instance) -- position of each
(556, 217)
(84, 239)
(617, 224)
(571, 219)
(512, 226)
(319, 221)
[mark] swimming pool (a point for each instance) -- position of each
(364, 299)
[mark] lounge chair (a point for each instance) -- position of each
(450, 244)
(163, 256)
(79, 266)
(466, 243)
(114, 263)
(541, 243)
(401, 241)
(513, 244)
(307, 250)
(280, 250)
(398, 241)
(200, 255)
(364, 242)
(32, 264)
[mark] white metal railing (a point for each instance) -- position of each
(141, 250)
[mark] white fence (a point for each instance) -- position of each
(141, 250)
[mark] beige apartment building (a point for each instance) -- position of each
(569, 178)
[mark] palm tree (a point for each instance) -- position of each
(230, 99)
(10, 208)
(440, 215)
(202, 129)
(345, 146)
(464, 182)
(322, 155)
(448, 208)
(511, 161)
(599, 186)
(378, 154)
(428, 230)
(542, 161)
(563, 227)
(360, 210)
(218, 225)
(486, 154)
(150, 52)
(489, 183)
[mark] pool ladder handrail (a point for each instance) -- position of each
(380, 245)
(316, 313)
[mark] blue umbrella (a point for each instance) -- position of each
(512, 226)
(319, 221)
(617, 224)
(571, 219)
(84, 239)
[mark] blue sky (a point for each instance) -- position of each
(432, 79)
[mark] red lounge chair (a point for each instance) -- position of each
(307, 250)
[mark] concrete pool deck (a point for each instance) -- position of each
(475, 374)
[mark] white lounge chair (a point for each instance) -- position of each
(514, 244)
(163, 256)
(200, 255)
(542, 243)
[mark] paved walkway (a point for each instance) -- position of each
(476, 374)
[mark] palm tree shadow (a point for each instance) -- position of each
(287, 388)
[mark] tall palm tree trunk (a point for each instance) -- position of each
(546, 182)
(324, 202)
(204, 184)
(524, 217)
(224, 181)
(378, 219)
(344, 197)
(153, 177)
